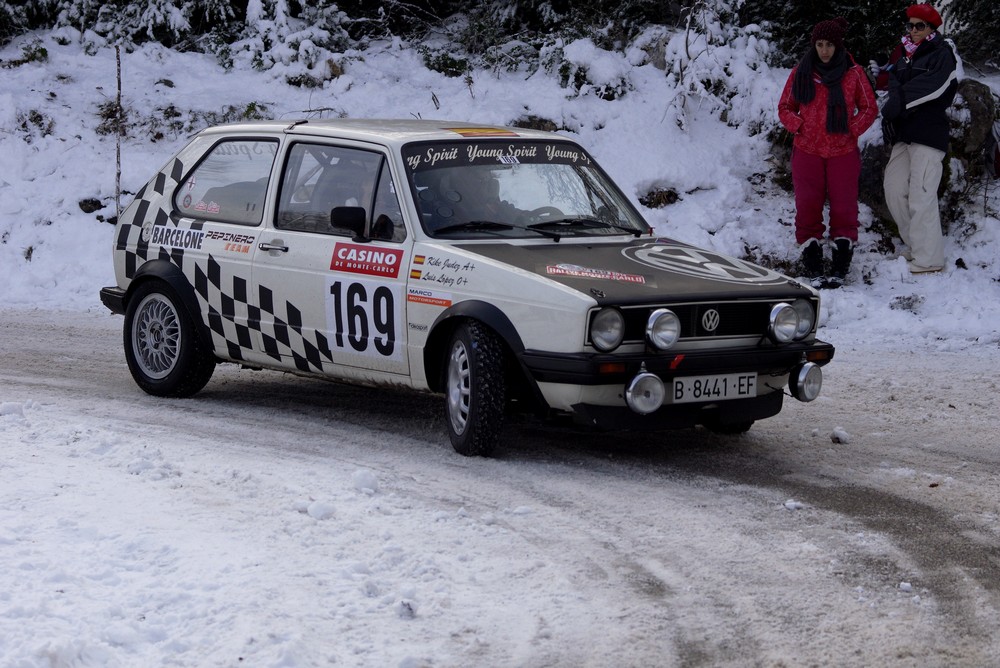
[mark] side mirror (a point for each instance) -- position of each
(351, 218)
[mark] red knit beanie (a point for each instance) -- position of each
(924, 12)
(832, 31)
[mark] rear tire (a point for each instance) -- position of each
(163, 348)
(475, 389)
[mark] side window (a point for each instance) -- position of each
(318, 178)
(229, 183)
(387, 218)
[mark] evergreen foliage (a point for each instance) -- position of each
(12, 22)
(497, 32)
(874, 27)
(611, 24)
(500, 33)
(973, 25)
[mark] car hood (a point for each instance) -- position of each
(639, 270)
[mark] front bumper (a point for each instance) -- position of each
(615, 410)
(606, 369)
(680, 416)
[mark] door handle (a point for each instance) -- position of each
(273, 247)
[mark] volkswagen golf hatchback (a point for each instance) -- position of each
(498, 267)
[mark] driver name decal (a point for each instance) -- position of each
(699, 263)
(444, 271)
(359, 259)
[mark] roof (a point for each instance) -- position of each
(386, 131)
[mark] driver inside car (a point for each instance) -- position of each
(467, 194)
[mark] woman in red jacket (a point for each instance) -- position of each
(827, 103)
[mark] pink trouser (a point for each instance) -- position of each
(816, 180)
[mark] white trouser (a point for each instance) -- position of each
(911, 184)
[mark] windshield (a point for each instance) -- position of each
(515, 189)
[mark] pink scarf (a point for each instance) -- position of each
(910, 46)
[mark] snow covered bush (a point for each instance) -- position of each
(274, 36)
(589, 70)
(715, 67)
(169, 22)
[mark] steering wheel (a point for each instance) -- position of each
(540, 215)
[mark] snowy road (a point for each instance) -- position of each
(273, 521)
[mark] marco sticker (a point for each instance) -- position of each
(699, 263)
(358, 259)
(430, 297)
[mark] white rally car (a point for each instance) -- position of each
(498, 266)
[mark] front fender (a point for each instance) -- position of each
(443, 326)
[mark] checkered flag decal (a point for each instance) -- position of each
(220, 296)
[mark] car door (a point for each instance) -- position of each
(329, 300)
(215, 222)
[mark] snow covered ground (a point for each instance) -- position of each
(275, 522)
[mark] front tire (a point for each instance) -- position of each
(475, 389)
(163, 348)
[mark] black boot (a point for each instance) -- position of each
(843, 253)
(812, 263)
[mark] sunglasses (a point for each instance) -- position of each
(915, 26)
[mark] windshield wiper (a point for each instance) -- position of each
(585, 222)
(491, 225)
(475, 225)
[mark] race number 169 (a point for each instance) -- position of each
(367, 321)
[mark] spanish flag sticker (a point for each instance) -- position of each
(483, 132)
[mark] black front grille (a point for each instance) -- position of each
(734, 319)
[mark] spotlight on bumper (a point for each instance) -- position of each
(645, 393)
(805, 381)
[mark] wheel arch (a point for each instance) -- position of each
(169, 273)
(444, 326)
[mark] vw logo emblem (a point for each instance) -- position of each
(697, 263)
(710, 320)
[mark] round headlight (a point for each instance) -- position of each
(645, 393)
(663, 328)
(607, 329)
(807, 317)
(805, 382)
(783, 324)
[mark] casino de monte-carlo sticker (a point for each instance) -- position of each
(699, 263)
(360, 259)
